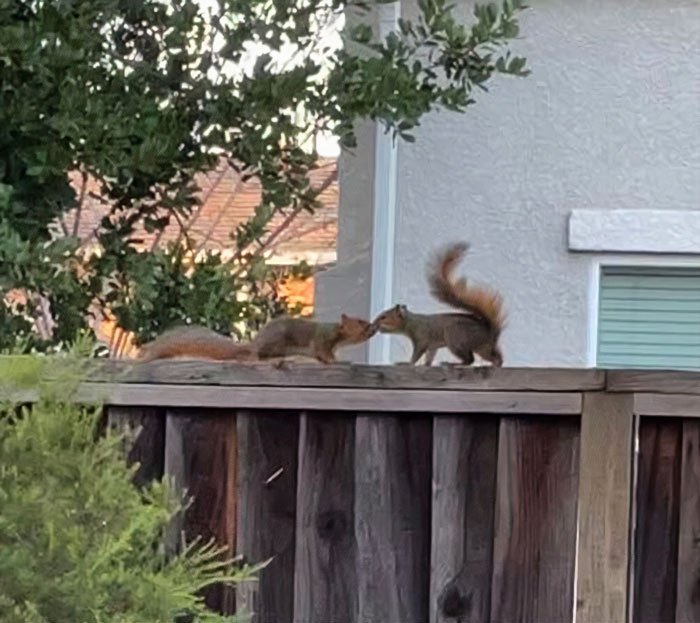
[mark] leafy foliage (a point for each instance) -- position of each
(143, 95)
(78, 541)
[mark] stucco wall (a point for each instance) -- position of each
(345, 288)
(608, 119)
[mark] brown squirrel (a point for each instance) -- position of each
(476, 331)
(279, 338)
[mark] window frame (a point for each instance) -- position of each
(616, 261)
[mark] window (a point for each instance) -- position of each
(649, 318)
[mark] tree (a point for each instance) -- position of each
(142, 95)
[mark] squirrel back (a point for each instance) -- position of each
(280, 338)
(480, 301)
(195, 342)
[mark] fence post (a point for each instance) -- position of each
(605, 497)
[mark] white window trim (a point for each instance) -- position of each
(633, 261)
(634, 231)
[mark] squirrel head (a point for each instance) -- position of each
(355, 330)
(392, 319)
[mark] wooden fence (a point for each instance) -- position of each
(448, 495)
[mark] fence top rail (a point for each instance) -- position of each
(356, 376)
(654, 381)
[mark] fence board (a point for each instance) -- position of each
(657, 381)
(325, 581)
(535, 521)
(148, 447)
(464, 489)
(266, 516)
(656, 546)
(669, 405)
(332, 399)
(605, 491)
(392, 518)
(688, 591)
(200, 455)
(351, 375)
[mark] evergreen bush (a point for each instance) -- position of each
(79, 543)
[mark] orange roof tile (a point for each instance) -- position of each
(228, 201)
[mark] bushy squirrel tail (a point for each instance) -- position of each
(195, 342)
(480, 301)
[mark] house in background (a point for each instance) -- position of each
(577, 186)
(228, 201)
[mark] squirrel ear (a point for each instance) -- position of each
(343, 317)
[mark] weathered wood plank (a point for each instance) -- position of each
(145, 435)
(266, 517)
(15, 395)
(325, 582)
(605, 491)
(200, 456)
(392, 518)
(671, 405)
(464, 490)
(303, 398)
(535, 524)
(351, 375)
(656, 546)
(688, 587)
(655, 381)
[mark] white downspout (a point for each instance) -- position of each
(384, 209)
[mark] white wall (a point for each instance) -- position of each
(608, 119)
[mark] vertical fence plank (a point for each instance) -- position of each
(325, 583)
(148, 447)
(656, 547)
(393, 460)
(464, 489)
(688, 592)
(605, 490)
(200, 455)
(266, 512)
(535, 521)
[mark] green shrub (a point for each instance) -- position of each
(79, 543)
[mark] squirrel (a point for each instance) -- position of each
(279, 338)
(476, 330)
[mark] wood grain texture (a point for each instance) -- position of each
(688, 587)
(656, 546)
(670, 405)
(144, 430)
(655, 381)
(200, 456)
(351, 375)
(535, 522)
(464, 489)
(266, 513)
(393, 462)
(325, 584)
(330, 399)
(605, 497)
